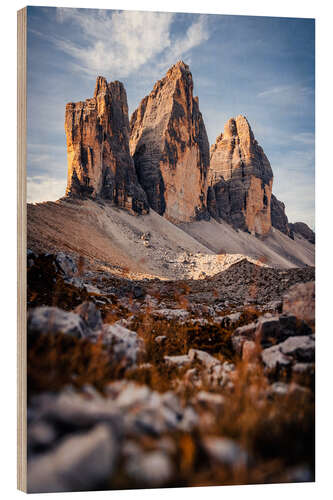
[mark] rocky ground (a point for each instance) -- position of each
(152, 383)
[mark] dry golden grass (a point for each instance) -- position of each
(277, 432)
(55, 361)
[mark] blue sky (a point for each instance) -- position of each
(260, 67)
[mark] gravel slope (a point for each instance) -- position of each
(151, 246)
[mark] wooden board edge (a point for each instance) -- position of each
(21, 250)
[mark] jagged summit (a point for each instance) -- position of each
(170, 147)
(240, 179)
(99, 160)
(180, 66)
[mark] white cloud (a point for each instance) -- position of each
(121, 42)
(294, 183)
(304, 138)
(41, 188)
(45, 159)
(117, 42)
(194, 36)
(288, 96)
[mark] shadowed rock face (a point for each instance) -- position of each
(304, 230)
(99, 161)
(240, 179)
(170, 147)
(279, 217)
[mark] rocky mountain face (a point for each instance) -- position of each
(170, 147)
(240, 179)
(304, 230)
(161, 159)
(99, 161)
(279, 217)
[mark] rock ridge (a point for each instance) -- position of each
(304, 230)
(279, 217)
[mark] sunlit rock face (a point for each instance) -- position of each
(240, 179)
(99, 160)
(170, 147)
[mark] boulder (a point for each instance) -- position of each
(225, 451)
(205, 359)
(148, 412)
(52, 320)
(90, 315)
(300, 348)
(274, 360)
(241, 334)
(66, 265)
(178, 361)
(269, 330)
(81, 462)
(40, 435)
(152, 469)
(75, 410)
(230, 319)
(128, 348)
(300, 301)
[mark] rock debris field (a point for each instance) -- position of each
(153, 383)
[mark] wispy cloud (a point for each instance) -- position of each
(51, 160)
(290, 96)
(122, 42)
(294, 183)
(41, 188)
(196, 34)
(305, 138)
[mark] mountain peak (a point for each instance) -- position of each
(101, 85)
(99, 161)
(170, 147)
(240, 178)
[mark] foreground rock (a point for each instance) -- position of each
(284, 356)
(125, 347)
(80, 462)
(300, 301)
(92, 432)
(170, 147)
(99, 161)
(52, 320)
(269, 330)
(225, 451)
(152, 469)
(174, 407)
